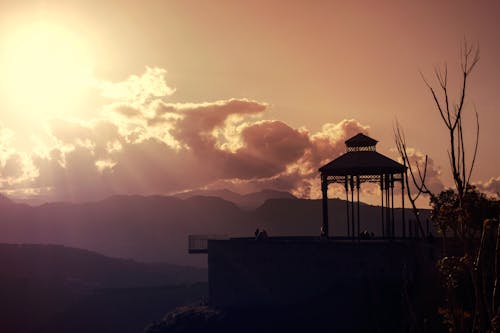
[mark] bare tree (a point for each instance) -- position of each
(452, 116)
(462, 209)
(451, 113)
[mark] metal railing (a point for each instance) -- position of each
(199, 243)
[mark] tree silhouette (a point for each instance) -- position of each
(470, 276)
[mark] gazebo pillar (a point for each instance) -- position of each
(387, 207)
(393, 224)
(324, 191)
(352, 208)
(382, 221)
(357, 192)
(348, 222)
(403, 219)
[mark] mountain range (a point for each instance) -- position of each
(245, 201)
(156, 228)
(101, 266)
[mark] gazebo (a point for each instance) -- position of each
(362, 163)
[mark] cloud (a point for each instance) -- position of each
(490, 187)
(328, 143)
(101, 159)
(70, 175)
(138, 90)
(12, 168)
(197, 122)
(127, 110)
(292, 156)
(143, 144)
(91, 160)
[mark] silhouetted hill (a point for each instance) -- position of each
(125, 310)
(245, 201)
(254, 200)
(224, 194)
(303, 217)
(156, 228)
(39, 282)
(86, 269)
(151, 228)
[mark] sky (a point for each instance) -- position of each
(156, 97)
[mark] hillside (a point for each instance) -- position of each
(55, 285)
(89, 270)
(124, 310)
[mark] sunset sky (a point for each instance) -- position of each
(156, 97)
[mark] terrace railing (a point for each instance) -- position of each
(199, 243)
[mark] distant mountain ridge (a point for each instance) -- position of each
(156, 228)
(245, 201)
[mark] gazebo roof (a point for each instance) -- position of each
(360, 140)
(362, 163)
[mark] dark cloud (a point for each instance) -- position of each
(274, 141)
(188, 146)
(268, 147)
(195, 126)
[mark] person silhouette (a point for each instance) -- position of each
(322, 233)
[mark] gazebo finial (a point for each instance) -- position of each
(360, 142)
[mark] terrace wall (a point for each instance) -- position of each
(248, 273)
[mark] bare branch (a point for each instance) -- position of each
(461, 145)
(467, 66)
(476, 145)
(442, 78)
(438, 105)
(419, 184)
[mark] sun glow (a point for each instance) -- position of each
(45, 70)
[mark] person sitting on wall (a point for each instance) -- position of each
(364, 234)
(261, 235)
(256, 233)
(322, 234)
(264, 234)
